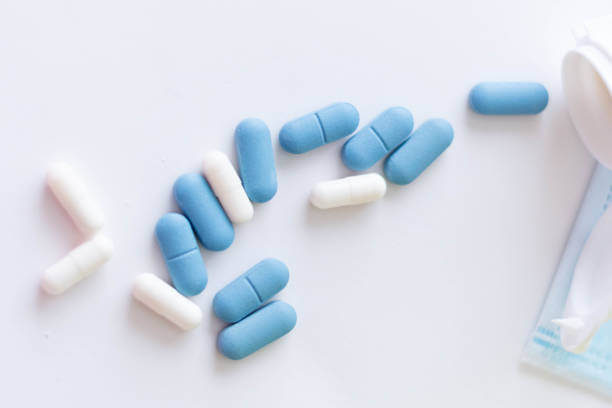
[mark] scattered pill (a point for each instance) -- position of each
(164, 300)
(380, 137)
(318, 128)
(197, 201)
(413, 156)
(250, 290)
(351, 190)
(182, 255)
(256, 160)
(508, 98)
(257, 330)
(78, 264)
(227, 186)
(73, 194)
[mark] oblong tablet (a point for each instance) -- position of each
(250, 290)
(227, 186)
(508, 98)
(164, 300)
(73, 194)
(182, 255)
(318, 128)
(257, 330)
(78, 264)
(373, 142)
(256, 160)
(413, 156)
(351, 190)
(210, 223)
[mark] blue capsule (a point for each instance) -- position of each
(250, 290)
(373, 142)
(198, 202)
(413, 156)
(182, 255)
(257, 330)
(508, 98)
(318, 128)
(256, 160)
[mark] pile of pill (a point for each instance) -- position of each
(212, 202)
(216, 198)
(72, 193)
(240, 303)
(389, 134)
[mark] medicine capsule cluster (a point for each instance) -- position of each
(388, 135)
(72, 193)
(213, 200)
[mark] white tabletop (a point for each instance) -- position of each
(424, 298)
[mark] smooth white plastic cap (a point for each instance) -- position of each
(587, 83)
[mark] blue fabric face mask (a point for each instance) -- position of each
(593, 368)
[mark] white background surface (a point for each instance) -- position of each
(422, 299)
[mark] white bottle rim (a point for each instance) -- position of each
(587, 84)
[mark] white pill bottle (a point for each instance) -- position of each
(587, 84)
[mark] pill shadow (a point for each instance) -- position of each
(396, 192)
(214, 327)
(44, 300)
(79, 293)
(152, 325)
(489, 125)
(330, 218)
(160, 262)
(223, 364)
(288, 160)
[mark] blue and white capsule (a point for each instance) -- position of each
(180, 249)
(380, 137)
(257, 330)
(508, 98)
(413, 156)
(250, 290)
(210, 223)
(256, 160)
(318, 128)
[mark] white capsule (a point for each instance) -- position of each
(227, 186)
(164, 300)
(78, 264)
(72, 193)
(352, 190)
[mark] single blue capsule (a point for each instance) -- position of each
(256, 160)
(257, 330)
(182, 255)
(318, 128)
(508, 98)
(196, 199)
(413, 156)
